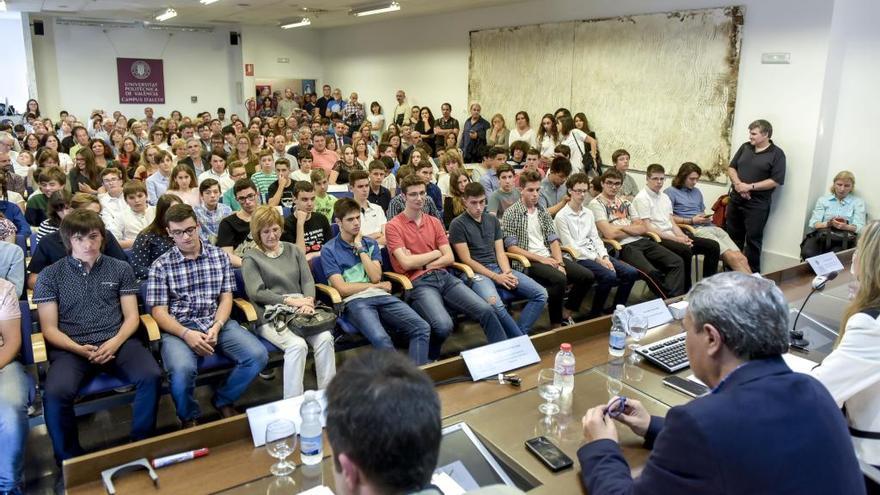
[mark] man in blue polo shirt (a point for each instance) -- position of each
(353, 265)
(88, 311)
(190, 290)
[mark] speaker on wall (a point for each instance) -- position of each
(38, 28)
(233, 38)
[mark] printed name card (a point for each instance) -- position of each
(510, 354)
(260, 416)
(655, 311)
(825, 263)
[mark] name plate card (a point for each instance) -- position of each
(260, 416)
(825, 263)
(500, 357)
(654, 311)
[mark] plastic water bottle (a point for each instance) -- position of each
(564, 367)
(311, 434)
(617, 337)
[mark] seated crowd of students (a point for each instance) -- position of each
(176, 205)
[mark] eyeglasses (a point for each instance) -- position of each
(177, 234)
(579, 191)
(612, 184)
(249, 197)
(420, 194)
(616, 407)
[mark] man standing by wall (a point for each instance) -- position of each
(756, 170)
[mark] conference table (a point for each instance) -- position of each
(503, 416)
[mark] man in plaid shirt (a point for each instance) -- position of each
(529, 231)
(190, 290)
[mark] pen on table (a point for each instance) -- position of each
(178, 458)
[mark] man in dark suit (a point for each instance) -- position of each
(339, 135)
(197, 158)
(762, 429)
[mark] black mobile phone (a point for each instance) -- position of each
(685, 386)
(549, 454)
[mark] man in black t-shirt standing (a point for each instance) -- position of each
(302, 227)
(755, 171)
(234, 232)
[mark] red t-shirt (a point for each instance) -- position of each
(401, 232)
(325, 159)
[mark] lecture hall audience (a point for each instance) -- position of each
(174, 202)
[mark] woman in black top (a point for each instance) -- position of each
(154, 240)
(425, 126)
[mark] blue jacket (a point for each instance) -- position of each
(765, 429)
(14, 214)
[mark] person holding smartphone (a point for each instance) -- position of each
(837, 218)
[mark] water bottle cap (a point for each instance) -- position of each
(565, 347)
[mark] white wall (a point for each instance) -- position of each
(13, 82)
(264, 46)
(76, 68)
(850, 126)
(429, 58)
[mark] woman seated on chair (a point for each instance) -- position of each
(279, 283)
(837, 218)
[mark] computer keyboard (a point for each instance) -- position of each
(668, 354)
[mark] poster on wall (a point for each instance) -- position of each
(141, 80)
(308, 86)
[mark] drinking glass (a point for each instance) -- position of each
(637, 328)
(549, 391)
(280, 443)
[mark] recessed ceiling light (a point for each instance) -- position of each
(168, 14)
(305, 21)
(375, 9)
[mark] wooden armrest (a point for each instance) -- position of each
(653, 235)
(332, 293)
(152, 327)
(468, 271)
(38, 345)
(247, 308)
(687, 228)
(522, 260)
(614, 244)
(569, 251)
(401, 280)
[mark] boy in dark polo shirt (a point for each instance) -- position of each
(87, 304)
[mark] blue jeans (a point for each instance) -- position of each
(68, 372)
(623, 276)
(525, 289)
(435, 290)
(373, 315)
(13, 425)
(182, 364)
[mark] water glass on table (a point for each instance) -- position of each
(637, 328)
(550, 391)
(280, 443)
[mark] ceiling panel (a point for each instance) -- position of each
(324, 14)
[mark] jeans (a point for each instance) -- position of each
(745, 224)
(526, 288)
(13, 425)
(373, 315)
(68, 372)
(295, 350)
(664, 269)
(555, 281)
(182, 364)
(710, 250)
(437, 289)
(623, 276)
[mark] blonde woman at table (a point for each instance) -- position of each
(277, 273)
(852, 371)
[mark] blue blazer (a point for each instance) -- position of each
(764, 430)
(13, 213)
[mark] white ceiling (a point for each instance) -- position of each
(323, 13)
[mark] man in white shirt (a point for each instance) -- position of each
(113, 202)
(655, 209)
(218, 171)
(401, 111)
(373, 218)
(279, 151)
(577, 231)
(137, 215)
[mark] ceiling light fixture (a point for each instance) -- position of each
(2, 5)
(375, 9)
(304, 21)
(207, 2)
(168, 14)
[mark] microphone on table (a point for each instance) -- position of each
(797, 339)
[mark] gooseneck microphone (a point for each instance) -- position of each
(797, 339)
